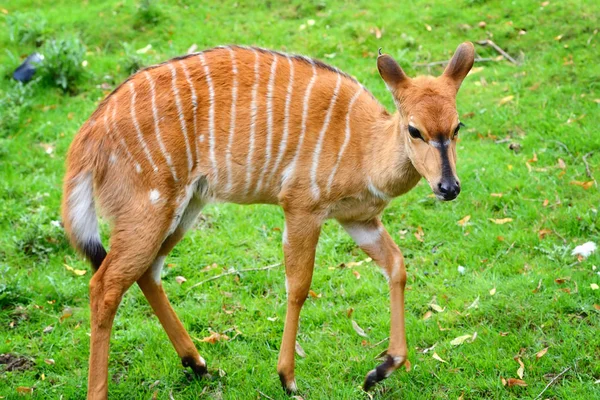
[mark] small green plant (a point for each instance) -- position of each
(12, 103)
(63, 63)
(131, 60)
(27, 28)
(149, 13)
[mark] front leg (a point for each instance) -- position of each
(299, 243)
(374, 240)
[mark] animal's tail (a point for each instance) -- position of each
(78, 210)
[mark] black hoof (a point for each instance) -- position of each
(199, 369)
(382, 371)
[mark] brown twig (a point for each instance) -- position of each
(233, 272)
(551, 382)
(378, 343)
(588, 171)
(434, 63)
(503, 53)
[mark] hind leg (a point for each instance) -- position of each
(150, 284)
(132, 251)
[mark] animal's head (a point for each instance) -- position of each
(429, 122)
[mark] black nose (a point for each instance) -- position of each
(449, 188)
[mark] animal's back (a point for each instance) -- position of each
(247, 122)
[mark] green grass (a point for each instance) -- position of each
(554, 113)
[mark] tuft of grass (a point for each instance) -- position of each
(63, 64)
(27, 28)
(133, 61)
(13, 103)
(149, 13)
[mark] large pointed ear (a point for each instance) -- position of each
(461, 63)
(392, 74)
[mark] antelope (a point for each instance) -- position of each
(248, 125)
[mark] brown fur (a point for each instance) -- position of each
(380, 161)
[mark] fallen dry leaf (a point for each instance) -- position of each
(436, 308)
(349, 312)
(460, 340)
(521, 369)
(419, 234)
(496, 194)
(215, 337)
(561, 164)
(597, 307)
(49, 361)
(500, 221)
(515, 382)
(585, 185)
(356, 274)
(407, 365)
(504, 333)
(24, 390)
(543, 233)
(314, 294)
(180, 279)
(435, 355)
(427, 315)
(48, 329)
(493, 292)
(541, 353)
(594, 286)
(464, 220)
(300, 350)
(358, 329)
(505, 100)
(67, 312)
(78, 272)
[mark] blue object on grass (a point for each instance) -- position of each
(25, 71)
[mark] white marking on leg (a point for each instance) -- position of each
(162, 146)
(194, 105)
(188, 150)
(234, 88)
(156, 268)
(84, 224)
(269, 124)
(363, 235)
(346, 140)
(292, 166)
(253, 115)
(154, 196)
(319, 146)
(286, 120)
(140, 136)
(211, 118)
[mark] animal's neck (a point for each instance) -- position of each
(390, 170)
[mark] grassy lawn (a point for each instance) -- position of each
(521, 291)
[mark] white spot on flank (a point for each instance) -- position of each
(140, 136)
(269, 146)
(286, 120)
(305, 107)
(319, 146)
(253, 115)
(112, 158)
(154, 196)
(234, 88)
(84, 224)
(346, 140)
(211, 117)
(188, 150)
(163, 149)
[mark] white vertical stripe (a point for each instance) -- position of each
(138, 168)
(211, 118)
(163, 149)
(194, 106)
(269, 123)
(290, 169)
(346, 140)
(253, 115)
(188, 150)
(286, 120)
(234, 88)
(137, 128)
(319, 145)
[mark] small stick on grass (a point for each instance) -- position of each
(551, 382)
(504, 54)
(233, 272)
(264, 395)
(588, 171)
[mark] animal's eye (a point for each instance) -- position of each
(414, 132)
(458, 128)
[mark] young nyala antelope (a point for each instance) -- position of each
(247, 125)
